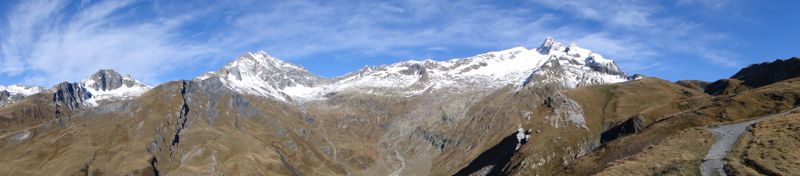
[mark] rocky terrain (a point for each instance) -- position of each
(553, 110)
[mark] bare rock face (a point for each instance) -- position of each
(107, 85)
(633, 125)
(107, 79)
(70, 95)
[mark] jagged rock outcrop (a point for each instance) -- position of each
(633, 125)
(548, 45)
(108, 85)
(610, 68)
(107, 79)
(8, 98)
(71, 96)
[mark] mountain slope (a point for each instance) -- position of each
(409, 118)
(552, 110)
(638, 151)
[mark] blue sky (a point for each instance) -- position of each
(43, 42)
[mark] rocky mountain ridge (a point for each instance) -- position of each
(756, 75)
(13, 93)
(261, 74)
(104, 85)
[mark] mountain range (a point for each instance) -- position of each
(552, 110)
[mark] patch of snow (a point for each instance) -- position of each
(204, 76)
(250, 84)
(130, 88)
(22, 89)
(92, 102)
(123, 92)
(521, 137)
(303, 92)
(527, 114)
(21, 136)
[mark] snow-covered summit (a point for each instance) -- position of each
(104, 85)
(261, 74)
(515, 66)
(108, 84)
(549, 45)
(489, 70)
(13, 93)
(573, 66)
(21, 89)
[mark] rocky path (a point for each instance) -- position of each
(726, 136)
(402, 162)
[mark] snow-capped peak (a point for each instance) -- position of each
(549, 45)
(13, 93)
(573, 66)
(108, 84)
(262, 59)
(261, 74)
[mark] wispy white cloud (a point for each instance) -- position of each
(640, 31)
(629, 14)
(625, 49)
(369, 28)
(48, 41)
(711, 4)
